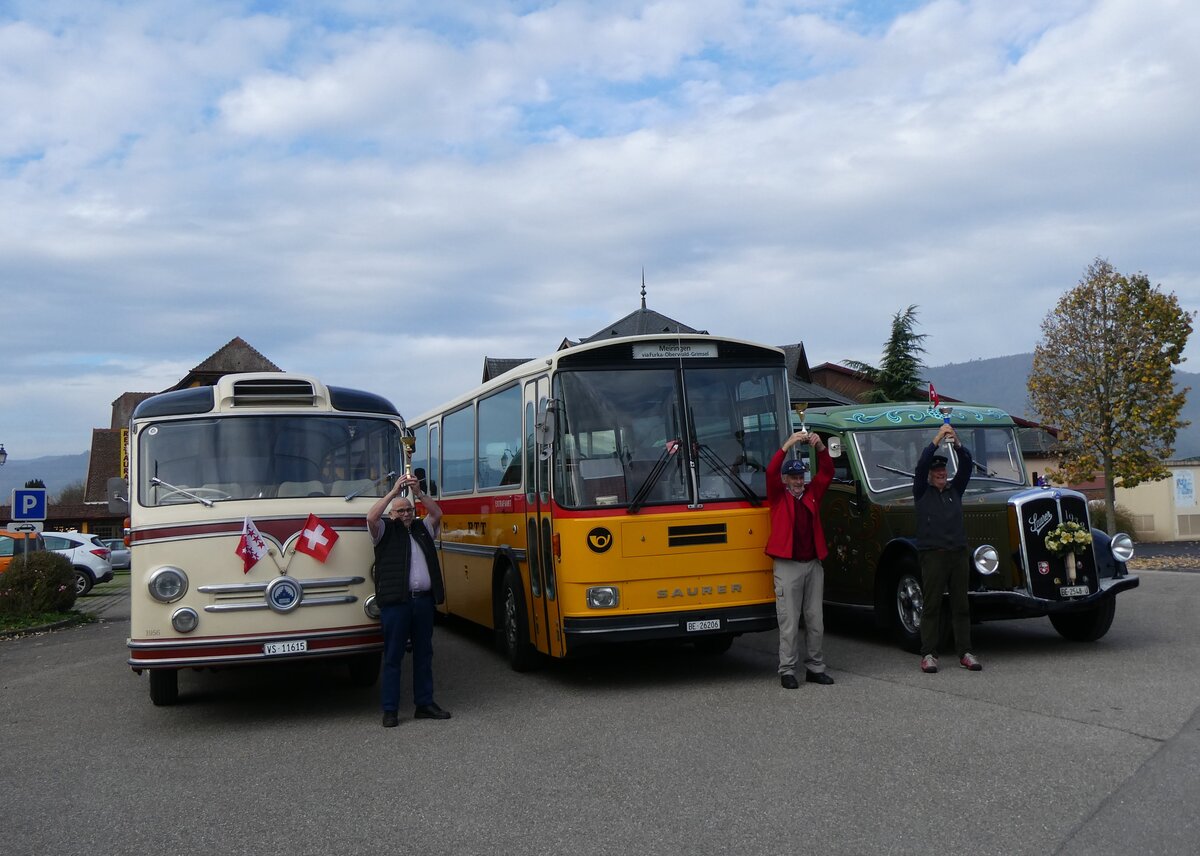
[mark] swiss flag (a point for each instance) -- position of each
(317, 538)
(933, 396)
(251, 547)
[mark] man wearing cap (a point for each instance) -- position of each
(408, 582)
(797, 545)
(942, 546)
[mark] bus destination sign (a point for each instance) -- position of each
(674, 350)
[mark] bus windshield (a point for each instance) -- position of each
(258, 457)
(662, 435)
(889, 457)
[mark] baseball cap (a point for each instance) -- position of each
(938, 462)
(793, 468)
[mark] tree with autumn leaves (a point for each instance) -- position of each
(1103, 373)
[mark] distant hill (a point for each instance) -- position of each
(55, 471)
(1003, 381)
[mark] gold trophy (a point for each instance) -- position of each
(409, 441)
(950, 453)
(799, 408)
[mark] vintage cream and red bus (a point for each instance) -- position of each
(273, 456)
(610, 491)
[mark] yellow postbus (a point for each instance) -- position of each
(276, 460)
(608, 492)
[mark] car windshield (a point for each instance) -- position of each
(256, 457)
(890, 457)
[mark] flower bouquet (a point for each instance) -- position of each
(1065, 541)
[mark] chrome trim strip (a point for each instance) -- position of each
(250, 658)
(166, 645)
(486, 550)
(674, 625)
(243, 588)
(308, 601)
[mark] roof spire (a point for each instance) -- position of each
(643, 288)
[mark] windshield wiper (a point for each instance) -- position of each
(182, 491)
(896, 471)
(720, 466)
(653, 476)
(367, 487)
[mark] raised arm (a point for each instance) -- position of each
(375, 515)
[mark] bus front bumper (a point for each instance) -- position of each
(232, 650)
(692, 624)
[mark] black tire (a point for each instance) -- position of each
(905, 604)
(714, 645)
(364, 668)
(1086, 626)
(164, 687)
(513, 625)
(83, 582)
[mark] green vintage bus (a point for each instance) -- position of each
(870, 524)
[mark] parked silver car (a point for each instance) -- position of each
(119, 555)
(88, 556)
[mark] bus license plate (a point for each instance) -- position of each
(299, 646)
(706, 624)
(1073, 591)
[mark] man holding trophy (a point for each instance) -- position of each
(796, 545)
(942, 545)
(408, 583)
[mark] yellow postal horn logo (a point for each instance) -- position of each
(599, 540)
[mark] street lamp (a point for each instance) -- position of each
(3, 455)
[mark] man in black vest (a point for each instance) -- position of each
(408, 582)
(942, 546)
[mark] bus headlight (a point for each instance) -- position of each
(371, 608)
(603, 597)
(167, 584)
(1122, 547)
(987, 561)
(184, 620)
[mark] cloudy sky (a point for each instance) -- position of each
(382, 192)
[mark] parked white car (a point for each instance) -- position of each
(88, 556)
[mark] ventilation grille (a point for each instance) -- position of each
(271, 391)
(689, 536)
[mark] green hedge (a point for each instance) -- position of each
(38, 583)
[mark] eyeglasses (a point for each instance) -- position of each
(403, 511)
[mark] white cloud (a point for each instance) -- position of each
(360, 190)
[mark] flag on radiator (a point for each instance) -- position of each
(316, 539)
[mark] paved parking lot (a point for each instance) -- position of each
(1053, 748)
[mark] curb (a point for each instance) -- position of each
(45, 628)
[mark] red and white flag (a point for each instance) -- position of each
(317, 538)
(251, 547)
(933, 396)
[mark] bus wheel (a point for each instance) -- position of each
(514, 625)
(713, 645)
(1087, 626)
(907, 603)
(364, 669)
(164, 686)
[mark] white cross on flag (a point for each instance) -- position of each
(252, 546)
(316, 539)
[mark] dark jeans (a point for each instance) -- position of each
(942, 569)
(412, 619)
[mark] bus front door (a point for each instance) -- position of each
(545, 625)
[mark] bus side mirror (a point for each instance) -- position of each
(118, 496)
(547, 424)
(834, 446)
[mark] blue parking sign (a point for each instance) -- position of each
(29, 503)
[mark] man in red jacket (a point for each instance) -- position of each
(797, 546)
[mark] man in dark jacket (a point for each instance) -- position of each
(408, 582)
(797, 546)
(942, 546)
